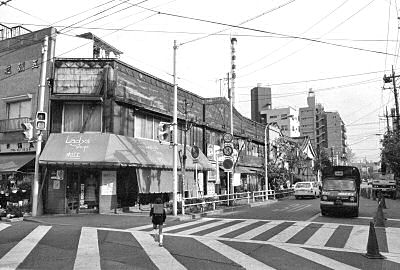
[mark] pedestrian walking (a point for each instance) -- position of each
(158, 216)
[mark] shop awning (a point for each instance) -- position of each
(105, 150)
(13, 162)
(247, 170)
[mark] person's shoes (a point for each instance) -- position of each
(160, 244)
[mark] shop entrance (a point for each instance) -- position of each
(82, 192)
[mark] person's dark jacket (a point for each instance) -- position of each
(158, 218)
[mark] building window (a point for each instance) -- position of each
(284, 115)
(78, 117)
(19, 109)
(273, 117)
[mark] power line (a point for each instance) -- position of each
(266, 32)
(246, 21)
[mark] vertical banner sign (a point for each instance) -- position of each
(109, 183)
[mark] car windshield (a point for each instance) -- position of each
(303, 185)
(339, 184)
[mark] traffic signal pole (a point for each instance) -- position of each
(42, 87)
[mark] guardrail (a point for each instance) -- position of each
(212, 202)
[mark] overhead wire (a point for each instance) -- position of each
(246, 21)
(302, 33)
(266, 32)
(305, 46)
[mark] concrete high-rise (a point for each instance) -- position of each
(260, 101)
(326, 130)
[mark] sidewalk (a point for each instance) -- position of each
(126, 220)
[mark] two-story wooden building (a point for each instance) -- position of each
(101, 149)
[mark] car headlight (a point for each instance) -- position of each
(352, 199)
(324, 198)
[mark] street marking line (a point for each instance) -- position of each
(393, 239)
(258, 230)
(313, 217)
(358, 237)
(139, 228)
(205, 227)
(235, 255)
(322, 235)
(315, 257)
(300, 208)
(88, 255)
(187, 224)
(289, 232)
(159, 256)
(231, 228)
(3, 226)
(19, 252)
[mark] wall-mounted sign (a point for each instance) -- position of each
(56, 184)
(18, 147)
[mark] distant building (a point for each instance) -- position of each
(336, 135)
(326, 130)
(287, 120)
(260, 101)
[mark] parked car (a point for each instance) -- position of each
(306, 189)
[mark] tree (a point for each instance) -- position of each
(390, 154)
(322, 160)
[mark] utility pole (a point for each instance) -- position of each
(42, 88)
(387, 121)
(392, 79)
(175, 139)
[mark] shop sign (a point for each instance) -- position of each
(56, 184)
(78, 145)
(19, 147)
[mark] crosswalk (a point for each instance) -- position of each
(236, 243)
(310, 234)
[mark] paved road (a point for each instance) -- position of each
(234, 241)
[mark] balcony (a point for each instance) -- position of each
(14, 124)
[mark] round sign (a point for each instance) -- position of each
(227, 137)
(227, 150)
(227, 164)
(195, 151)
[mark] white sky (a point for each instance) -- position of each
(147, 39)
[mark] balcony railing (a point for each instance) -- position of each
(14, 124)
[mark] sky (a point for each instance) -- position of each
(339, 48)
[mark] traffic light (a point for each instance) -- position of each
(41, 120)
(164, 132)
(28, 131)
(227, 151)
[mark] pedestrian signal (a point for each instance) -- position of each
(164, 132)
(28, 131)
(41, 120)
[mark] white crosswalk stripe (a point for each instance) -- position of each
(231, 228)
(320, 237)
(159, 255)
(19, 252)
(358, 237)
(238, 257)
(205, 226)
(393, 239)
(180, 226)
(289, 232)
(328, 262)
(259, 230)
(88, 256)
(3, 226)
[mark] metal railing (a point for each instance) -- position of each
(213, 202)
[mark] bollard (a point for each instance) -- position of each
(248, 197)
(213, 206)
(183, 207)
(254, 199)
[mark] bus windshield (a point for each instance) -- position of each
(345, 184)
